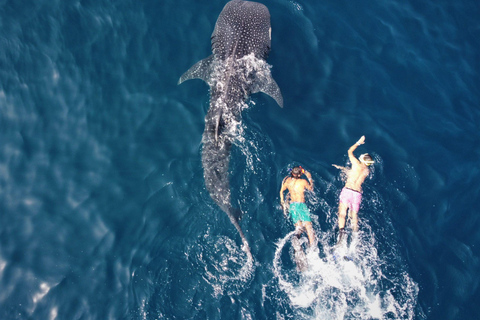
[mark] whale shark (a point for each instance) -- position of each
(236, 69)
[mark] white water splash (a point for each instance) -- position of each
(345, 282)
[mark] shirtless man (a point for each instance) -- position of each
(296, 201)
(351, 194)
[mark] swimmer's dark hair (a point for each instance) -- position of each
(297, 172)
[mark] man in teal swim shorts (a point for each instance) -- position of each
(299, 212)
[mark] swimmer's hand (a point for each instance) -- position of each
(361, 140)
(308, 175)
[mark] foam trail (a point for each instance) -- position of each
(334, 287)
(285, 285)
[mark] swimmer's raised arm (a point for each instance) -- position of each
(352, 148)
(310, 180)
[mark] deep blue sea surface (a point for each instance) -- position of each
(104, 212)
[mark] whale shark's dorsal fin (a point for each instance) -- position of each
(270, 87)
(200, 70)
(217, 124)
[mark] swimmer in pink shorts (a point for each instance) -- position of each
(351, 195)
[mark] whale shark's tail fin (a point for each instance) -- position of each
(200, 70)
(235, 215)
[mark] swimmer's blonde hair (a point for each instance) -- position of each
(366, 159)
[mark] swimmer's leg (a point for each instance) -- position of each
(300, 259)
(341, 236)
(342, 214)
(298, 229)
(310, 233)
(354, 217)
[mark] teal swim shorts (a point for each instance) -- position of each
(299, 212)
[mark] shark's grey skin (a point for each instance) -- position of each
(237, 68)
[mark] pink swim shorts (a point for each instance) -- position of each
(351, 199)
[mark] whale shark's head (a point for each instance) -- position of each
(242, 28)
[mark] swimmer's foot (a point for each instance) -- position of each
(341, 235)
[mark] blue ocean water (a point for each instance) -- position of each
(103, 209)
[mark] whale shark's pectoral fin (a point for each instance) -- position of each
(200, 70)
(270, 87)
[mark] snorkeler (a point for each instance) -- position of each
(299, 212)
(351, 195)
